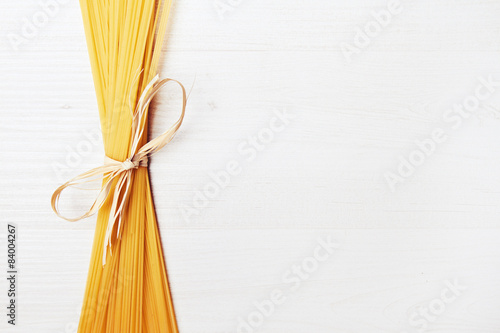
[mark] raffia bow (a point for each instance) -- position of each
(121, 172)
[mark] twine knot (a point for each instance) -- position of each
(128, 164)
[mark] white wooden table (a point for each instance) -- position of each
(390, 146)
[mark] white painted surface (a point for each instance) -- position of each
(322, 175)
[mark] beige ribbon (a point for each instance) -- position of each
(121, 172)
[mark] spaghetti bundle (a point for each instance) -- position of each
(127, 288)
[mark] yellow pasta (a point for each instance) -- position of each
(130, 293)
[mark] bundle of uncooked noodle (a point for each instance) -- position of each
(127, 288)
